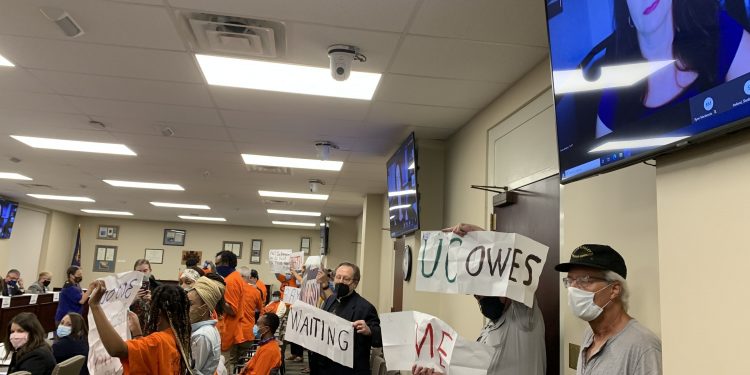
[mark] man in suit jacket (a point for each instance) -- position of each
(12, 285)
(348, 304)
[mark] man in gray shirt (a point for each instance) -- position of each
(614, 342)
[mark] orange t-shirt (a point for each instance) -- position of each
(284, 283)
(262, 288)
(266, 358)
(230, 327)
(271, 307)
(154, 354)
(251, 302)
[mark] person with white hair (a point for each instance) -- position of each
(614, 342)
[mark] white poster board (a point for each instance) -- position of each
(121, 291)
(411, 337)
(482, 263)
(321, 332)
(279, 259)
(297, 260)
(291, 294)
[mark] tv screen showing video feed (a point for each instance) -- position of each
(635, 78)
(403, 203)
(7, 217)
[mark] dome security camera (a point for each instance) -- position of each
(341, 56)
(314, 185)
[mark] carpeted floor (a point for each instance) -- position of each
(292, 367)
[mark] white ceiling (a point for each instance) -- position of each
(134, 70)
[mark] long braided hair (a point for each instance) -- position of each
(173, 302)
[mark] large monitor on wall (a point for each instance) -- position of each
(403, 202)
(7, 217)
(633, 79)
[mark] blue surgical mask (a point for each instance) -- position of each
(288, 276)
(63, 331)
(256, 331)
(275, 299)
(12, 282)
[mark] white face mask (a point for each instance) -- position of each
(582, 303)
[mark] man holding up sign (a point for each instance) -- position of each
(515, 330)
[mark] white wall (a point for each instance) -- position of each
(703, 216)
(24, 248)
(342, 244)
(59, 241)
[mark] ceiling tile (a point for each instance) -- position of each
(498, 21)
(17, 79)
(35, 101)
(147, 111)
(420, 115)
(438, 92)
(463, 59)
(100, 59)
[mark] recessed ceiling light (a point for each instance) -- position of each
(203, 218)
(277, 161)
(280, 194)
(144, 185)
(401, 193)
(14, 176)
(5, 62)
(297, 213)
(275, 222)
(108, 212)
(296, 79)
(181, 205)
(80, 146)
(61, 197)
(399, 207)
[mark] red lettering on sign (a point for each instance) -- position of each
(419, 345)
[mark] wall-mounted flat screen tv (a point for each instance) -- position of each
(403, 202)
(7, 217)
(633, 79)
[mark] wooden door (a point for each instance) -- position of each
(398, 275)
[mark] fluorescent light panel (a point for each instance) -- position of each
(296, 79)
(297, 213)
(14, 176)
(80, 146)
(394, 208)
(278, 161)
(293, 223)
(144, 185)
(636, 143)
(280, 194)
(61, 197)
(401, 193)
(181, 205)
(201, 218)
(108, 212)
(5, 62)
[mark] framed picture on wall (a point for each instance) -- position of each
(105, 258)
(154, 256)
(174, 237)
(108, 232)
(255, 248)
(233, 246)
(304, 245)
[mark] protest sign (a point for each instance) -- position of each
(296, 260)
(321, 332)
(411, 337)
(291, 294)
(279, 260)
(483, 263)
(121, 291)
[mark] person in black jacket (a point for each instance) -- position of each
(72, 340)
(12, 285)
(348, 304)
(25, 340)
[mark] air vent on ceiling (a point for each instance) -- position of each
(237, 35)
(37, 186)
(277, 202)
(268, 170)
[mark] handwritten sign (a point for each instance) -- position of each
(482, 263)
(291, 295)
(121, 291)
(279, 260)
(411, 337)
(297, 259)
(321, 332)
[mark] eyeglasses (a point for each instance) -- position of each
(583, 281)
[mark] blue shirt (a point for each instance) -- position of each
(70, 295)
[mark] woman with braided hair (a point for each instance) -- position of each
(165, 350)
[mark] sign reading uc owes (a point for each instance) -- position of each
(482, 263)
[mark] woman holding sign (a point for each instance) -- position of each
(166, 348)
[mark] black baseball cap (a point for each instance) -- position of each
(602, 257)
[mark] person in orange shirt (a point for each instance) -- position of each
(233, 340)
(252, 305)
(166, 348)
(286, 280)
(268, 355)
(256, 298)
(255, 280)
(276, 306)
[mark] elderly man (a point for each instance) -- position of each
(12, 285)
(614, 342)
(348, 304)
(41, 286)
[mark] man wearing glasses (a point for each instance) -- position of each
(348, 304)
(614, 343)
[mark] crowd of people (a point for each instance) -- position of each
(217, 314)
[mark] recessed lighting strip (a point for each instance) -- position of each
(201, 218)
(293, 223)
(181, 205)
(297, 213)
(278, 161)
(281, 194)
(108, 212)
(61, 198)
(144, 185)
(80, 146)
(14, 176)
